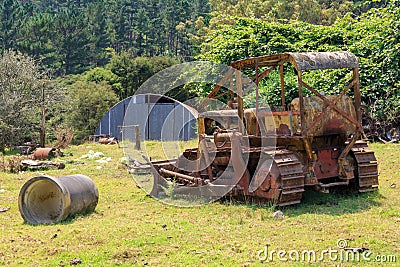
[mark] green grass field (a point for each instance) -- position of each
(129, 228)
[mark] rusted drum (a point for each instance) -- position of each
(42, 153)
(45, 200)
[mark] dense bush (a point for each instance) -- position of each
(131, 71)
(89, 101)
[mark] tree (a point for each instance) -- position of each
(323, 12)
(133, 71)
(89, 101)
(71, 39)
(74, 36)
(35, 38)
(98, 39)
(9, 23)
(22, 83)
(374, 40)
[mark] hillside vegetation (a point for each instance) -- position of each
(74, 36)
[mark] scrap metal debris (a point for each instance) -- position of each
(24, 150)
(108, 141)
(27, 147)
(278, 214)
(374, 129)
(45, 153)
(75, 261)
(136, 167)
(39, 153)
(40, 165)
(4, 209)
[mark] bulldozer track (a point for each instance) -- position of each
(291, 176)
(367, 167)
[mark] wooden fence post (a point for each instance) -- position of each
(137, 136)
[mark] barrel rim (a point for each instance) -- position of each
(65, 200)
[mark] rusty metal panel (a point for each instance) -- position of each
(326, 166)
(332, 122)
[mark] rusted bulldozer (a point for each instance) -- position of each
(275, 153)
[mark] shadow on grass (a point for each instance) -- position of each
(249, 202)
(335, 203)
(69, 220)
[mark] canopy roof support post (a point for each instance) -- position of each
(357, 94)
(282, 86)
(257, 98)
(239, 93)
(301, 101)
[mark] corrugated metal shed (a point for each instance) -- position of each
(159, 118)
